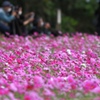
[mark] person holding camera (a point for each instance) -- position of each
(18, 26)
(5, 17)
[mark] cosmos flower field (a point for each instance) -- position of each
(44, 68)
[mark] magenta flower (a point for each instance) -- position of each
(89, 85)
(38, 82)
(48, 68)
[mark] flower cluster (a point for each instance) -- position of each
(62, 68)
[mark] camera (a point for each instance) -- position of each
(15, 8)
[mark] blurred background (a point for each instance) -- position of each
(77, 15)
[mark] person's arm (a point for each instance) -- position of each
(6, 18)
(28, 21)
(29, 14)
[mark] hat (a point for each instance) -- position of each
(6, 3)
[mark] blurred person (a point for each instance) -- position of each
(38, 25)
(47, 28)
(18, 26)
(49, 31)
(41, 27)
(5, 17)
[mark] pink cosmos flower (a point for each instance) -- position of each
(89, 85)
(13, 87)
(38, 82)
(32, 96)
(96, 90)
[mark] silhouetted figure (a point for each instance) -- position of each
(18, 25)
(47, 28)
(37, 25)
(5, 17)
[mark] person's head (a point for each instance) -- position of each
(20, 11)
(40, 22)
(47, 25)
(7, 6)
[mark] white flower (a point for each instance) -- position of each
(69, 51)
(51, 79)
(65, 78)
(2, 87)
(83, 65)
(83, 52)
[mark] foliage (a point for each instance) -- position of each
(69, 24)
